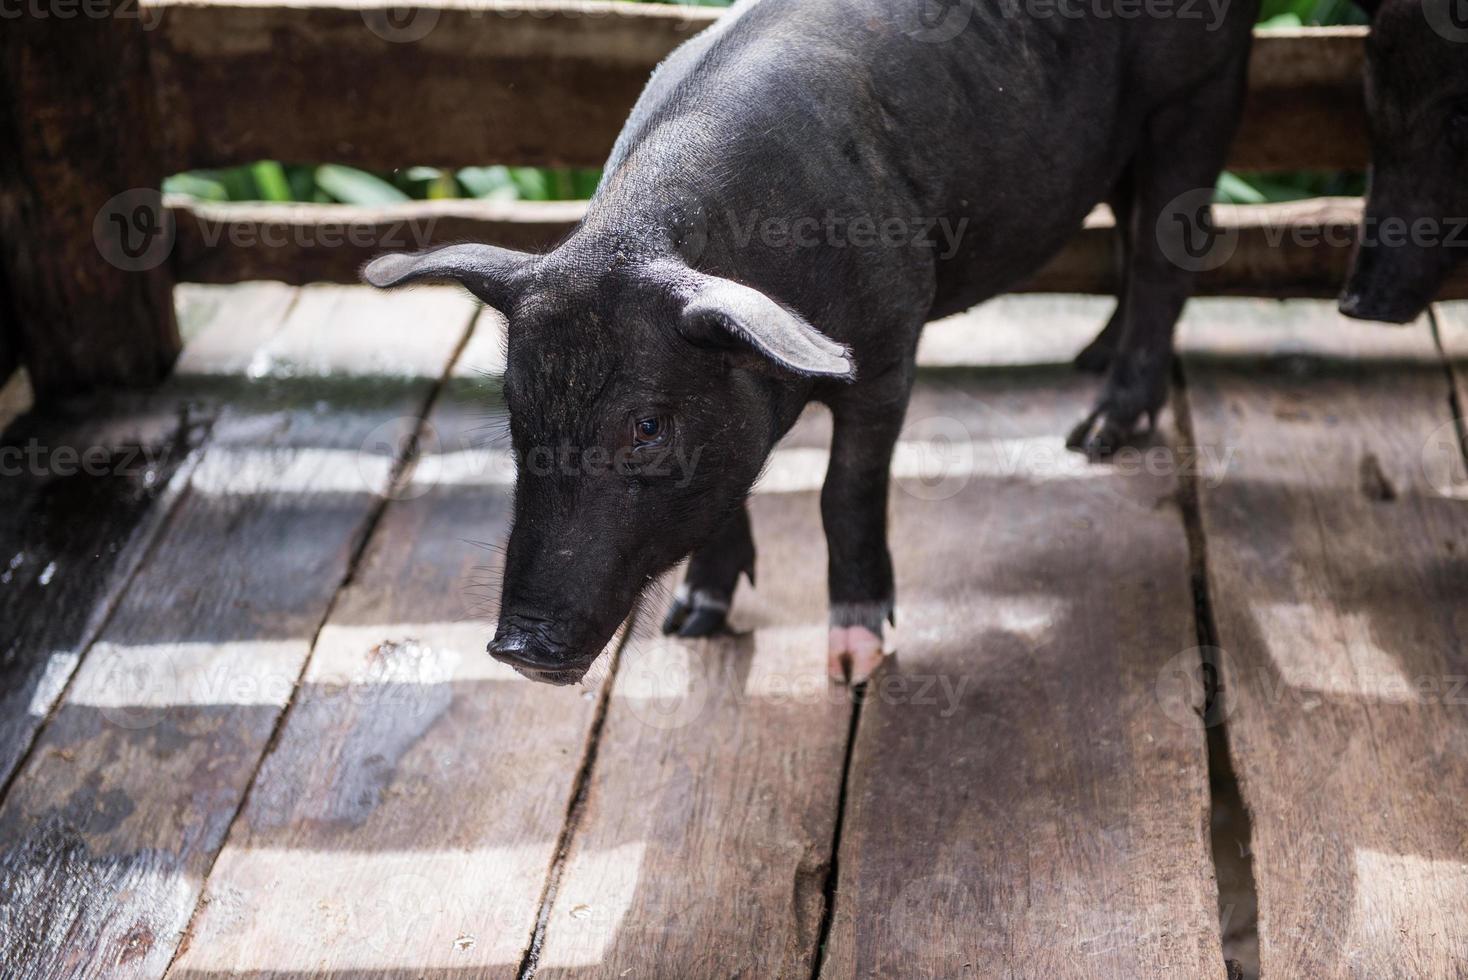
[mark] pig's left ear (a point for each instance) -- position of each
(725, 315)
(493, 274)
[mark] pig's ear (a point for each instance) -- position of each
(493, 274)
(724, 315)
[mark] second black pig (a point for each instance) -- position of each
(1416, 225)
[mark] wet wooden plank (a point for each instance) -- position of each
(1336, 561)
(1028, 787)
(109, 829)
(422, 784)
(85, 489)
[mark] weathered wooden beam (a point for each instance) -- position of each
(1305, 109)
(82, 237)
(1300, 249)
(305, 243)
(550, 82)
(381, 86)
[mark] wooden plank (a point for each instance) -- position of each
(426, 835)
(1335, 544)
(1305, 109)
(108, 830)
(85, 493)
(1028, 792)
(451, 84)
(550, 82)
(703, 846)
(306, 243)
(83, 239)
(1297, 249)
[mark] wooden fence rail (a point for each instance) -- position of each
(549, 82)
(1300, 249)
(211, 83)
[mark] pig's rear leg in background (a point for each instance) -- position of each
(701, 604)
(1096, 357)
(1180, 156)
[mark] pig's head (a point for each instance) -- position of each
(1416, 226)
(642, 406)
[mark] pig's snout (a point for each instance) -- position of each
(536, 650)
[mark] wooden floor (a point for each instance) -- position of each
(247, 727)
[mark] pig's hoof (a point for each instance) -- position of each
(1103, 433)
(696, 614)
(1096, 358)
(853, 654)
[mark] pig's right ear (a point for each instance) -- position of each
(724, 315)
(493, 274)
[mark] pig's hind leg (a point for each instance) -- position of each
(1096, 357)
(701, 604)
(1181, 153)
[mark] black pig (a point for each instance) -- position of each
(919, 159)
(1416, 225)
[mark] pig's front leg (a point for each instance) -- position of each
(701, 604)
(854, 511)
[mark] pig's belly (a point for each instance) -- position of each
(1004, 246)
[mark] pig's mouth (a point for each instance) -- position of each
(1360, 306)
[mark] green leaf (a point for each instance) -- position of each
(352, 186)
(197, 184)
(532, 183)
(270, 181)
(1233, 189)
(490, 183)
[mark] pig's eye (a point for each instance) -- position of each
(650, 430)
